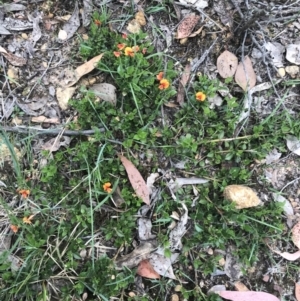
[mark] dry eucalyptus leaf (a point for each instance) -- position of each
(216, 288)
(242, 196)
(247, 296)
(63, 96)
(272, 156)
(145, 269)
(287, 207)
(177, 233)
(296, 235)
(136, 180)
(71, 26)
(8, 107)
(4, 31)
(224, 11)
(297, 291)
(106, 92)
(12, 7)
(186, 26)
(227, 64)
(85, 69)
(293, 53)
(13, 59)
(197, 4)
(54, 144)
(195, 33)
(293, 144)
(131, 260)
(233, 268)
(276, 52)
(182, 83)
(245, 76)
(36, 32)
(162, 265)
(36, 105)
(25, 108)
(87, 12)
(144, 229)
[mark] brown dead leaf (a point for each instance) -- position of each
(145, 269)
(195, 33)
(136, 180)
(85, 68)
(297, 291)
(247, 296)
(13, 59)
(186, 26)
(141, 252)
(245, 76)
(184, 80)
(54, 144)
(171, 104)
(227, 63)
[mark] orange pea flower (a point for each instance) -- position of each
(97, 22)
(160, 76)
(129, 51)
(200, 96)
(121, 46)
(14, 228)
(27, 220)
(117, 53)
(164, 84)
(24, 193)
(144, 50)
(124, 36)
(135, 48)
(107, 187)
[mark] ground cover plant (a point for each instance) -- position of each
(71, 209)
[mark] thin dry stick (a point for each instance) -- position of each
(50, 132)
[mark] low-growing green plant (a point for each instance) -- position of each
(70, 213)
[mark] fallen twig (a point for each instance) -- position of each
(51, 132)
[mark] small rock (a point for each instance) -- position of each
(242, 196)
(292, 70)
(16, 121)
(241, 287)
(210, 251)
(44, 47)
(222, 261)
(281, 72)
(174, 297)
(24, 36)
(183, 41)
(178, 288)
(13, 73)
